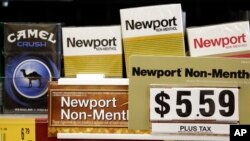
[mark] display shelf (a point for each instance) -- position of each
(106, 12)
(139, 137)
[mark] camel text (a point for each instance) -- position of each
(31, 33)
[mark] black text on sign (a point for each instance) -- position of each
(194, 103)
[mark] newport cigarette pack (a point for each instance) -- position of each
(229, 39)
(152, 30)
(32, 58)
(96, 50)
(88, 106)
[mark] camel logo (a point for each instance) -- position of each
(31, 38)
(31, 78)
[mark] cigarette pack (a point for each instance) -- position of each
(96, 50)
(152, 30)
(32, 58)
(228, 39)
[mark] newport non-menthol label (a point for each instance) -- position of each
(228, 38)
(89, 108)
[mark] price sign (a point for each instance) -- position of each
(17, 129)
(194, 103)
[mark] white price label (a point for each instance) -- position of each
(194, 103)
(191, 128)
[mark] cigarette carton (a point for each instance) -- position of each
(229, 39)
(96, 50)
(152, 30)
(32, 58)
(98, 106)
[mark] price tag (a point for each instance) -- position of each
(12, 129)
(194, 104)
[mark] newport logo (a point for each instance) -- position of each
(31, 34)
(219, 42)
(239, 132)
(158, 25)
(98, 44)
(190, 72)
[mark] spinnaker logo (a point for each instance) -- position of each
(21, 38)
(97, 44)
(228, 42)
(157, 25)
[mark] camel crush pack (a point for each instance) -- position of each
(32, 54)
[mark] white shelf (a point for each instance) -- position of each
(139, 137)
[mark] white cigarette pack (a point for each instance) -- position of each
(152, 30)
(229, 39)
(92, 50)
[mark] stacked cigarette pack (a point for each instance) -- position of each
(229, 40)
(32, 58)
(92, 50)
(152, 30)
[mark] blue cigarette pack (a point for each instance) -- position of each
(32, 55)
